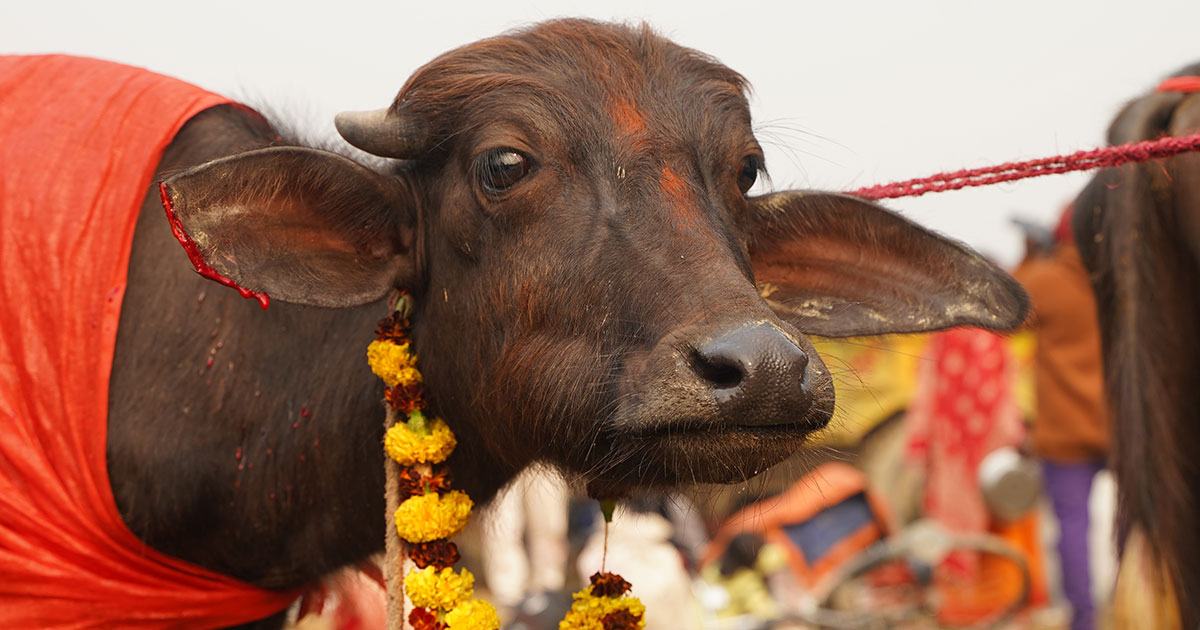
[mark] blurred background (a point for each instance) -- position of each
(845, 94)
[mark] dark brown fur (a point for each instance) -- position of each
(210, 463)
(1137, 227)
(591, 316)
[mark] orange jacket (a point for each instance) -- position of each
(1072, 413)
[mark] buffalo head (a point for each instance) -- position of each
(594, 287)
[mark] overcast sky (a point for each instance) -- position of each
(846, 94)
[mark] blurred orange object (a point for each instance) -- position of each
(1023, 535)
(823, 520)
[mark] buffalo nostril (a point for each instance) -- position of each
(756, 373)
(719, 368)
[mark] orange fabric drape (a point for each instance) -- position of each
(79, 143)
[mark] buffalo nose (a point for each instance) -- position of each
(756, 374)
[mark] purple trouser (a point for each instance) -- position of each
(1069, 486)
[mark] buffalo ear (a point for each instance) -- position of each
(301, 225)
(838, 266)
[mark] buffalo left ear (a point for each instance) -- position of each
(301, 225)
(837, 266)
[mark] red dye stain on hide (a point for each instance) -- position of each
(628, 119)
(630, 125)
(197, 257)
(684, 211)
(674, 188)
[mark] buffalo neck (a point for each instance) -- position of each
(246, 441)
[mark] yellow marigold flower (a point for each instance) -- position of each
(587, 610)
(429, 517)
(445, 589)
(473, 614)
(393, 363)
(409, 448)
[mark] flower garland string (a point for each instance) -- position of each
(605, 603)
(425, 511)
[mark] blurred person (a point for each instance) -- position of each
(1070, 431)
(964, 408)
(525, 544)
(1039, 239)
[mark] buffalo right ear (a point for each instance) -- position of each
(301, 225)
(837, 266)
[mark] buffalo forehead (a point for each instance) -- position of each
(584, 83)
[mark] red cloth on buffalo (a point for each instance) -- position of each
(79, 142)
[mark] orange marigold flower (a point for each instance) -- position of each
(405, 398)
(433, 588)
(589, 610)
(608, 585)
(620, 620)
(473, 614)
(438, 554)
(440, 480)
(393, 363)
(407, 447)
(411, 482)
(424, 619)
(394, 328)
(429, 517)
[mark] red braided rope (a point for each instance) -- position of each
(1013, 171)
(1078, 161)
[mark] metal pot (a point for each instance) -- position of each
(1010, 482)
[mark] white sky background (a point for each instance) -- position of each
(846, 94)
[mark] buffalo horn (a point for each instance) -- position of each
(379, 132)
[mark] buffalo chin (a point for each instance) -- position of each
(687, 455)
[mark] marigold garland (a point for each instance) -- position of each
(604, 604)
(429, 511)
(473, 614)
(622, 620)
(424, 619)
(405, 398)
(430, 588)
(438, 554)
(393, 363)
(394, 327)
(592, 611)
(411, 482)
(408, 447)
(431, 516)
(609, 585)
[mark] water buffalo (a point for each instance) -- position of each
(567, 204)
(1138, 228)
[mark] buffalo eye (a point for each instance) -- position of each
(500, 169)
(748, 172)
